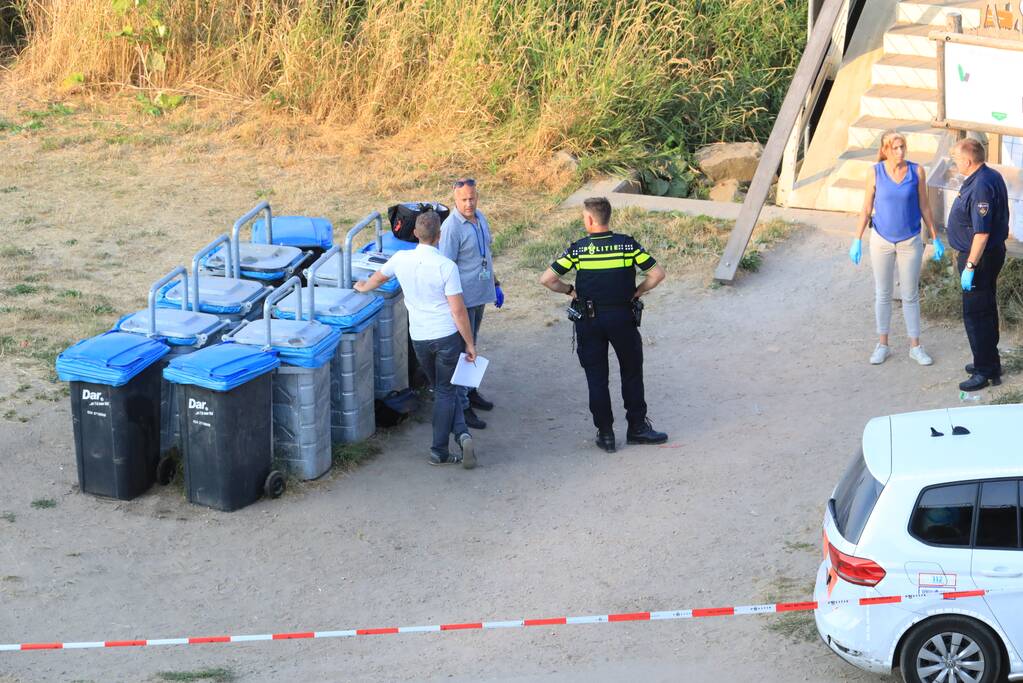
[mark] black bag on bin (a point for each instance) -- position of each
(403, 217)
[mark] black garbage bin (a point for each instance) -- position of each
(115, 411)
(225, 405)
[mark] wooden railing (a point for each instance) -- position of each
(799, 138)
(823, 51)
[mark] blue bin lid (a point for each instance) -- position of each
(296, 231)
(174, 326)
(267, 260)
(216, 294)
(364, 264)
(112, 358)
(303, 343)
(345, 309)
(391, 245)
(221, 367)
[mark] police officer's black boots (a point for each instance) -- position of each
(476, 400)
(472, 420)
(645, 434)
(606, 440)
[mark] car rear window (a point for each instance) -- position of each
(854, 499)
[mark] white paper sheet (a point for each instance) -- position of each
(469, 374)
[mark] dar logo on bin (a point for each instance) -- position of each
(196, 405)
(91, 395)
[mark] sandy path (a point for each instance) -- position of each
(764, 388)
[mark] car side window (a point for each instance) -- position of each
(998, 518)
(944, 515)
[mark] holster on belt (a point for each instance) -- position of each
(637, 311)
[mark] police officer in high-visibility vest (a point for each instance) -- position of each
(606, 309)
(978, 225)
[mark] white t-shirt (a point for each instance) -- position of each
(427, 279)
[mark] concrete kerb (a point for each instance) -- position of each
(616, 191)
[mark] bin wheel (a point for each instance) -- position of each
(166, 468)
(274, 485)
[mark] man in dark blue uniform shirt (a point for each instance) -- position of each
(606, 263)
(978, 226)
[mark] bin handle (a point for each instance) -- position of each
(263, 206)
(311, 276)
(356, 229)
(293, 283)
(222, 239)
(178, 271)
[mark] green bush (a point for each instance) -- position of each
(941, 295)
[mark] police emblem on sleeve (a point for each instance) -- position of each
(983, 208)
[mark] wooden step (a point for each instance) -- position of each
(934, 12)
(866, 132)
(909, 71)
(910, 39)
(856, 162)
(898, 102)
(846, 195)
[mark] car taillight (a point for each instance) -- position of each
(855, 570)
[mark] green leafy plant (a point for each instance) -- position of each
(159, 104)
(146, 28)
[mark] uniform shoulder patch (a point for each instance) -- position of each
(983, 208)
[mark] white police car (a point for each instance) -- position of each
(930, 505)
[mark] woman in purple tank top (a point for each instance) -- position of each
(894, 204)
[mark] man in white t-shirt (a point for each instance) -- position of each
(439, 328)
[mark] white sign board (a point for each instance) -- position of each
(983, 85)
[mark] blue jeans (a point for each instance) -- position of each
(475, 318)
(438, 358)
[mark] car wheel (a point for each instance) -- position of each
(950, 649)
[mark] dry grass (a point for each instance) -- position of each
(609, 81)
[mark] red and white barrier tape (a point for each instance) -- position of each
(741, 610)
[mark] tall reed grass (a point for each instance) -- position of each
(611, 80)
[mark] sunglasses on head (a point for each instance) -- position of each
(465, 182)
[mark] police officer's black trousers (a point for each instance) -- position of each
(980, 311)
(614, 326)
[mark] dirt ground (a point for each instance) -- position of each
(764, 388)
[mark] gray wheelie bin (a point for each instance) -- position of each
(184, 331)
(391, 335)
(229, 298)
(269, 263)
(301, 385)
(354, 315)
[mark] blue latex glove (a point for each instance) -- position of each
(499, 300)
(856, 251)
(939, 249)
(966, 280)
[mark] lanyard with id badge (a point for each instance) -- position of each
(477, 231)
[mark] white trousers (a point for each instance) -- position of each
(885, 257)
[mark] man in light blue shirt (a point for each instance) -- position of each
(465, 239)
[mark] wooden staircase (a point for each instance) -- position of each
(902, 96)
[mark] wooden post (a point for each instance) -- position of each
(791, 107)
(953, 24)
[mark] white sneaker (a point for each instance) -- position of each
(918, 354)
(880, 355)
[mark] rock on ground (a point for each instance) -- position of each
(730, 160)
